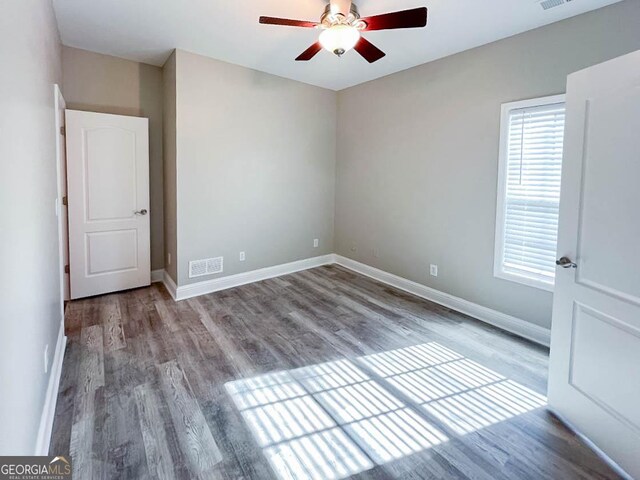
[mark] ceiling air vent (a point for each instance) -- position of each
(208, 266)
(547, 4)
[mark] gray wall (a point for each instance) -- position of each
(255, 166)
(30, 310)
(418, 155)
(101, 83)
(169, 151)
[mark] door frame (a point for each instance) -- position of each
(61, 178)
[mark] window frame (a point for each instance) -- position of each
(498, 270)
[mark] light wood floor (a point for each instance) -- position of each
(320, 374)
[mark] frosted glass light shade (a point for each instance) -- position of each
(339, 39)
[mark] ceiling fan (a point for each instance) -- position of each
(341, 26)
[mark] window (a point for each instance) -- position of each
(531, 138)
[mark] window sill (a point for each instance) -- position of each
(524, 280)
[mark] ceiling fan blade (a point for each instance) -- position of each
(286, 22)
(368, 50)
(341, 6)
(309, 53)
(414, 18)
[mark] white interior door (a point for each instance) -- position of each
(108, 190)
(594, 376)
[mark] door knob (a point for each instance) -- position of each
(565, 262)
(141, 212)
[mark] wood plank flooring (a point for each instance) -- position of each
(319, 374)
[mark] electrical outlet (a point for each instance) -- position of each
(242, 256)
(375, 253)
(316, 243)
(354, 248)
(46, 358)
(433, 270)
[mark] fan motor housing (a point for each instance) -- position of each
(328, 20)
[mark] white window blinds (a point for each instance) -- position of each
(532, 164)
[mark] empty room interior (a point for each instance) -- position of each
(320, 239)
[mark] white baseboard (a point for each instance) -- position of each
(157, 276)
(501, 320)
(603, 456)
(169, 284)
(49, 409)
(217, 284)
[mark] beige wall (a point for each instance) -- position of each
(255, 166)
(101, 83)
(418, 155)
(30, 309)
(169, 153)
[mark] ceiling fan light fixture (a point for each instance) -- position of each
(341, 25)
(339, 39)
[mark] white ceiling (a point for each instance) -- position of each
(148, 30)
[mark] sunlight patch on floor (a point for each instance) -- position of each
(459, 392)
(332, 420)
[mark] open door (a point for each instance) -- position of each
(594, 374)
(108, 190)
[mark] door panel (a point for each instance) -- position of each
(607, 245)
(113, 251)
(592, 362)
(594, 379)
(108, 165)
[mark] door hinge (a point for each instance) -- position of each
(63, 131)
(65, 201)
(66, 269)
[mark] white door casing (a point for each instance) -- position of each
(61, 208)
(108, 190)
(594, 371)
